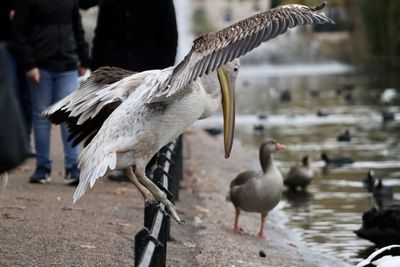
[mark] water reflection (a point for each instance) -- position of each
(298, 199)
(330, 210)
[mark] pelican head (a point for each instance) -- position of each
(227, 75)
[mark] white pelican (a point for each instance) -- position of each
(127, 117)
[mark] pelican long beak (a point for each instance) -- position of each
(228, 109)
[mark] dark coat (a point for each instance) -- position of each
(134, 34)
(5, 29)
(48, 34)
(14, 144)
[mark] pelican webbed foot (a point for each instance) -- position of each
(158, 194)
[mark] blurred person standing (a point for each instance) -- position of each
(14, 146)
(49, 42)
(134, 35)
(16, 74)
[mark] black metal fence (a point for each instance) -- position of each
(151, 241)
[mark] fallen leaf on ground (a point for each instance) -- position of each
(87, 246)
(200, 208)
(197, 219)
(13, 207)
(8, 216)
(121, 224)
(25, 169)
(189, 244)
(70, 208)
(25, 198)
(121, 190)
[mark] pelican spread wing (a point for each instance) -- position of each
(86, 109)
(215, 49)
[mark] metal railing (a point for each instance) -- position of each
(151, 241)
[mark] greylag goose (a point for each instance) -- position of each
(300, 175)
(258, 191)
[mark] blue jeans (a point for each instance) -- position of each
(52, 87)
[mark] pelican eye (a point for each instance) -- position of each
(236, 68)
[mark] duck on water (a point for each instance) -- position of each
(300, 175)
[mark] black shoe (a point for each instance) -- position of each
(41, 175)
(118, 176)
(71, 176)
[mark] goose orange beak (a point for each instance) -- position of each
(280, 146)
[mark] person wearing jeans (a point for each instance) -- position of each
(48, 41)
(52, 87)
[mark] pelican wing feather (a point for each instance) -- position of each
(87, 108)
(215, 49)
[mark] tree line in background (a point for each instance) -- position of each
(374, 27)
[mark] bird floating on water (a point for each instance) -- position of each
(300, 175)
(381, 225)
(258, 191)
(322, 113)
(125, 118)
(336, 161)
(381, 193)
(369, 181)
(344, 136)
(388, 95)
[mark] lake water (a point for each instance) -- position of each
(327, 214)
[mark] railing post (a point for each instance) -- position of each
(151, 241)
(141, 239)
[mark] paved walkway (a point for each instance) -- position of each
(40, 227)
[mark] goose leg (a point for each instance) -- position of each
(147, 195)
(261, 233)
(236, 227)
(158, 194)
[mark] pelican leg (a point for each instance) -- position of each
(147, 195)
(261, 233)
(158, 194)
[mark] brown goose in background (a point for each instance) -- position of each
(300, 175)
(258, 191)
